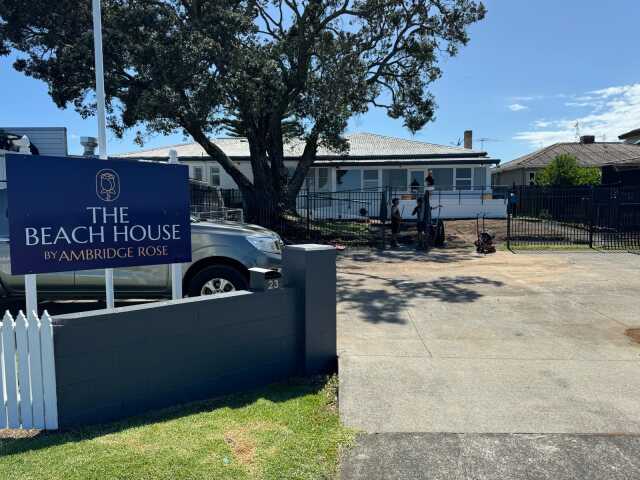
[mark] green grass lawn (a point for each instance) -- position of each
(286, 431)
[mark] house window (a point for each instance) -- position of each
(348, 180)
(197, 173)
(479, 178)
(370, 179)
(396, 179)
(443, 178)
(416, 181)
(323, 179)
(318, 179)
(532, 178)
(214, 176)
(463, 178)
(310, 181)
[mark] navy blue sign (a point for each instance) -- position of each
(70, 213)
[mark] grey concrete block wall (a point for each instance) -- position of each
(118, 363)
(312, 268)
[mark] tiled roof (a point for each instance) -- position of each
(361, 144)
(587, 154)
(630, 162)
(632, 133)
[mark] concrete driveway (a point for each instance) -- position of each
(502, 344)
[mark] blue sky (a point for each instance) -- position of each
(531, 71)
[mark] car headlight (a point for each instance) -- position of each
(266, 243)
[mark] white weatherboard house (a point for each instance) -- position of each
(462, 175)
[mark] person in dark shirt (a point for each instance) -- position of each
(396, 218)
(429, 180)
(421, 224)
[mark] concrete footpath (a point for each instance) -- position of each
(448, 456)
(508, 344)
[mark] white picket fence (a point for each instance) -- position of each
(27, 373)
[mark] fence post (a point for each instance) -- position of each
(591, 214)
(508, 224)
(3, 405)
(49, 374)
(308, 215)
(24, 380)
(312, 270)
(35, 368)
(9, 363)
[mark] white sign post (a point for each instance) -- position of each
(31, 294)
(102, 129)
(176, 268)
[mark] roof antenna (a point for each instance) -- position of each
(485, 139)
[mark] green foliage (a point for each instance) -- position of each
(267, 68)
(564, 171)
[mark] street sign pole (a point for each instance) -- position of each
(176, 268)
(102, 129)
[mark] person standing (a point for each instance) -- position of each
(420, 224)
(429, 180)
(396, 219)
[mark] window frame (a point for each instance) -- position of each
(365, 187)
(348, 171)
(457, 178)
(447, 187)
(214, 171)
(405, 187)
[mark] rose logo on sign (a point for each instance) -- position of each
(107, 185)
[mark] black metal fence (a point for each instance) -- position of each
(351, 218)
(603, 217)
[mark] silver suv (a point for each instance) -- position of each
(222, 253)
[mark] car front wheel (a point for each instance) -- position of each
(217, 279)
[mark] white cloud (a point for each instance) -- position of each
(516, 107)
(580, 104)
(526, 98)
(613, 111)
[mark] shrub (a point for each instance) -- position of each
(564, 171)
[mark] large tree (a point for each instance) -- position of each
(272, 70)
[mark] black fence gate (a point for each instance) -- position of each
(602, 217)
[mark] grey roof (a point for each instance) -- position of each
(587, 154)
(362, 144)
(630, 162)
(631, 134)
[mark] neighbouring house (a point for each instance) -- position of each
(40, 140)
(632, 137)
(625, 173)
(588, 152)
(373, 162)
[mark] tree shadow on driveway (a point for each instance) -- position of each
(383, 299)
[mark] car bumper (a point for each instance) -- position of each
(269, 260)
